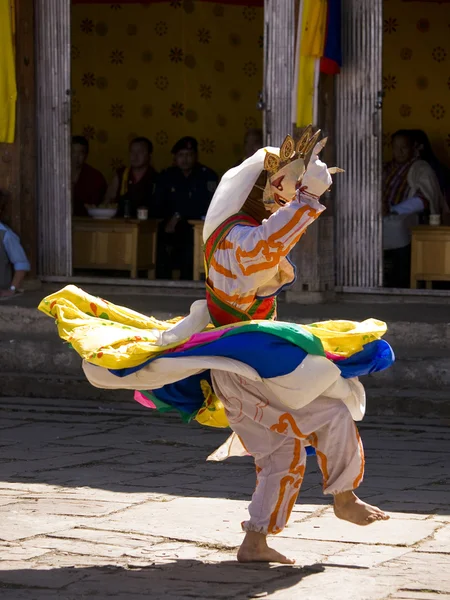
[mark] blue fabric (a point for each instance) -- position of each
(269, 355)
(374, 357)
(333, 46)
(185, 395)
(14, 250)
(281, 357)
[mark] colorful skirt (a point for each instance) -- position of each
(123, 349)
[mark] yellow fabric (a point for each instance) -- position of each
(212, 413)
(313, 33)
(416, 59)
(8, 89)
(165, 70)
(124, 182)
(116, 337)
(306, 88)
(102, 333)
(346, 338)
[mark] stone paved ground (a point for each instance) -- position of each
(114, 501)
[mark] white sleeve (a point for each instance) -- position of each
(257, 251)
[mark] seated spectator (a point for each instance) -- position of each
(13, 260)
(426, 153)
(133, 187)
(88, 184)
(253, 141)
(410, 191)
(184, 192)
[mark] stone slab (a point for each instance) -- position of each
(392, 532)
(439, 543)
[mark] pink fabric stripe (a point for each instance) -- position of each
(143, 400)
(203, 337)
(334, 357)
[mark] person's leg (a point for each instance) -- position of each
(280, 466)
(163, 254)
(262, 422)
(184, 250)
(340, 456)
(279, 461)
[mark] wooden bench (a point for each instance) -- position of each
(430, 255)
(115, 244)
(199, 265)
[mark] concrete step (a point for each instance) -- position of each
(23, 388)
(16, 320)
(54, 386)
(47, 355)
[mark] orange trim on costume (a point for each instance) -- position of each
(282, 425)
(293, 222)
(321, 458)
(295, 469)
(273, 528)
(363, 461)
(225, 245)
(273, 249)
(221, 269)
(294, 497)
(234, 298)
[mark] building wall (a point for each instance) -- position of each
(416, 71)
(165, 70)
(18, 160)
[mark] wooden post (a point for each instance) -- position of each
(314, 255)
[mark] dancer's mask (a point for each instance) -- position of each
(286, 171)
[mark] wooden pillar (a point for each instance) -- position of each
(279, 55)
(314, 255)
(53, 137)
(17, 160)
(358, 124)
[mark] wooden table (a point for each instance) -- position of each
(116, 244)
(430, 255)
(199, 265)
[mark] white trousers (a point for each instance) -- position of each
(276, 436)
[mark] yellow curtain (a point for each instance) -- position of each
(8, 89)
(312, 30)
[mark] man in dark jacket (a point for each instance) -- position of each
(133, 187)
(184, 193)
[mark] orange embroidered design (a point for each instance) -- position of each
(221, 269)
(294, 480)
(273, 249)
(321, 458)
(361, 453)
(284, 421)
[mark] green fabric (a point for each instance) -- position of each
(163, 407)
(291, 332)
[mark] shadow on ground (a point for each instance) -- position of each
(130, 449)
(178, 580)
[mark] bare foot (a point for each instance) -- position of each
(254, 548)
(349, 507)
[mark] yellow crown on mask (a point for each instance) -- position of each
(290, 152)
(286, 170)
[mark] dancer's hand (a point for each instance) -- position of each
(317, 179)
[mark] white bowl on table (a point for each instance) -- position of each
(102, 213)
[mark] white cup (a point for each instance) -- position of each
(142, 214)
(435, 220)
